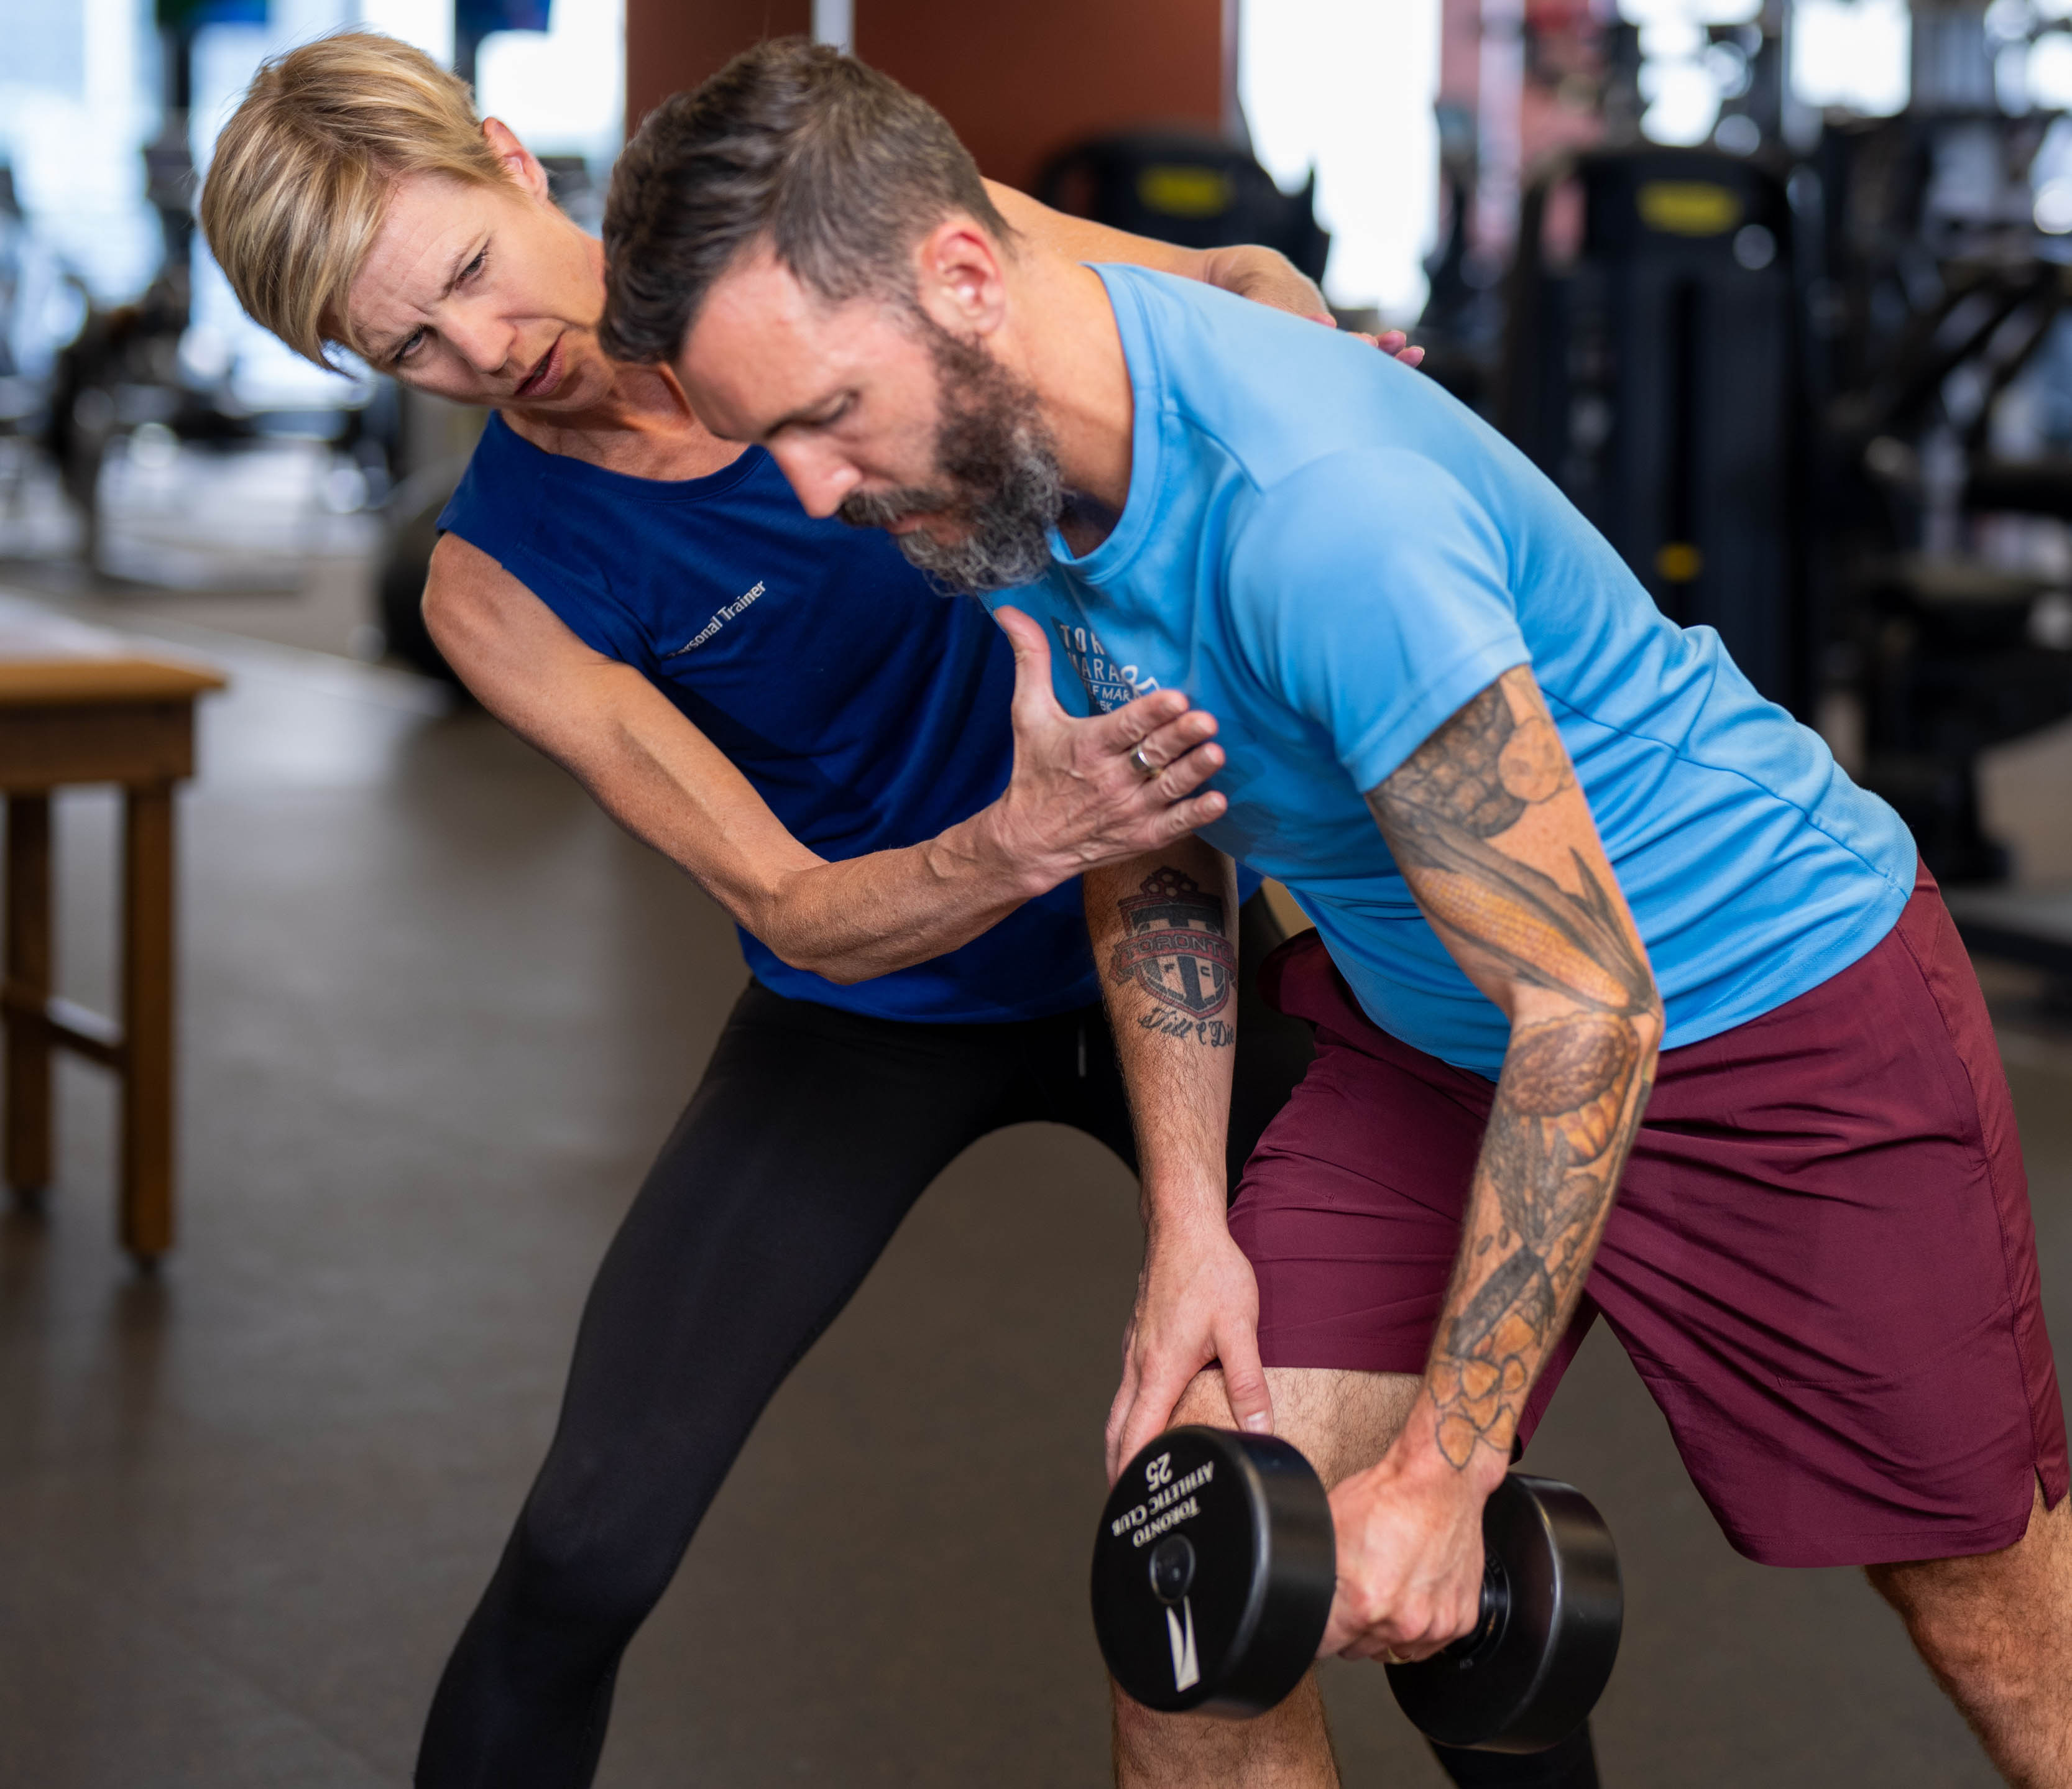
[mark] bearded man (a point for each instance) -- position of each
(1628, 1002)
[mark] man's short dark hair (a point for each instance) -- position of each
(836, 167)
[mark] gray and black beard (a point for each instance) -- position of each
(996, 474)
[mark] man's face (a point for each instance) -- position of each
(879, 415)
(482, 295)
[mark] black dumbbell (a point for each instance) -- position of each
(1215, 1563)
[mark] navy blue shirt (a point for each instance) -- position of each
(868, 711)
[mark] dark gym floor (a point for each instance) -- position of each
(436, 1013)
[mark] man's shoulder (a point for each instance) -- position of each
(1381, 540)
(1275, 394)
(1379, 497)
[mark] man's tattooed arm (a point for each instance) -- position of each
(1164, 929)
(1174, 952)
(1488, 826)
(1165, 936)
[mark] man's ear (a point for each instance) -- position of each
(519, 162)
(960, 278)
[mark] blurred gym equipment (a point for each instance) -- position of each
(1813, 382)
(1651, 368)
(1189, 188)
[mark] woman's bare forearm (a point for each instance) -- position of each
(1077, 796)
(649, 768)
(849, 919)
(867, 916)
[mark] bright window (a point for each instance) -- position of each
(1347, 87)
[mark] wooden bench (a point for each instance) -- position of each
(80, 705)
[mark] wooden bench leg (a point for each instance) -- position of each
(27, 1145)
(147, 1022)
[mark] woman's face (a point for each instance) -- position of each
(483, 294)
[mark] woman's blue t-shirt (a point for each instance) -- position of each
(868, 711)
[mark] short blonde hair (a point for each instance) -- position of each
(302, 173)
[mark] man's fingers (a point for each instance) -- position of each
(1118, 1408)
(1134, 1423)
(1157, 1392)
(1118, 1416)
(1244, 1379)
(1381, 1641)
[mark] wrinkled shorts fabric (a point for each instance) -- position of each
(1821, 1260)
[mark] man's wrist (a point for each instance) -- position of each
(1177, 1206)
(1417, 1457)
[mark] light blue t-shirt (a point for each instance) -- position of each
(1331, 555)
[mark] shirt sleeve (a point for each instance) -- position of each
(493, 510)
(1371, 593)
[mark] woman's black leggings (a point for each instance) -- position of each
(808, 1142)
(809, 1139)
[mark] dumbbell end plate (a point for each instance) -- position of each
(1535, 1677)
(1229, 1624)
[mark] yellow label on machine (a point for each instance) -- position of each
(1181, 191)
(1679, 561)
(1689, 207)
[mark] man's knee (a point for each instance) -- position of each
(1288, 1745)
(1978, 1613)
(1341, 1420)
(1142, 1734)
(1204, 1402)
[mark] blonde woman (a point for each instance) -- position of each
(883, 792)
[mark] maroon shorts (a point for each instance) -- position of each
(1821, 1260)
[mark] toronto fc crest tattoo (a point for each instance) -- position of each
(1179, 952)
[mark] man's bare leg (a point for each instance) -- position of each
(1996, 1631)
(1342, 1421)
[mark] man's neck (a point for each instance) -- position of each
(1065, 342)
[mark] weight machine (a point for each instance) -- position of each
(1776, 382)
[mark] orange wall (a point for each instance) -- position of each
(673, 44)
(1017, 78)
